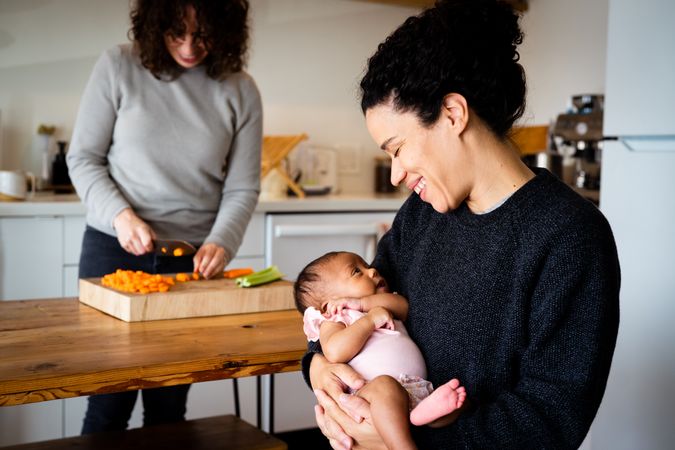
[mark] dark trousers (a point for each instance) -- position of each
(102, 254)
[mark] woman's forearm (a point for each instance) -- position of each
(315, 366)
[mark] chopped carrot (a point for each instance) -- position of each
(178, 252)
(234, 273)
(182, 277)
(137, 281)
(195, 276)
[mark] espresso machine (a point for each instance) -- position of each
(577, 137)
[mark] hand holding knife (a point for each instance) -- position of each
(209, 260)
(136, 237)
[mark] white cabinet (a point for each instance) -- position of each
(32, 422)
(292, 241)
(31, 257)
(39, 256)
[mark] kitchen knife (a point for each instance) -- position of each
(173, 247)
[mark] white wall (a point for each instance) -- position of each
(306, 55)
(563, 54)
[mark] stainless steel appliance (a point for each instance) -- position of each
(577, 135)
(315, 168)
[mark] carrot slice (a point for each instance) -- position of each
(234, 273)
(182, 277)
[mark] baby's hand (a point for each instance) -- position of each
(381, 318)
(336, 306)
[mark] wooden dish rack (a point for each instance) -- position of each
(274, 150)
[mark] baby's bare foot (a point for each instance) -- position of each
(443, 401)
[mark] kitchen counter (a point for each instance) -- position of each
(48, 204)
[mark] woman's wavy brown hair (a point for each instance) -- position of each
(223, 26)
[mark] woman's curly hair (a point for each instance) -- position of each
(462, 46)
(223, 26)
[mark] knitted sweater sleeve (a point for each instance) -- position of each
(565, 358)
(242, 181)
(92, 135)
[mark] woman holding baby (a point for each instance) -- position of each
(512, 279)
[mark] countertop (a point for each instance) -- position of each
(49, 204)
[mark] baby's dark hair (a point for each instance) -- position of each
(303, 289)
(462, 46)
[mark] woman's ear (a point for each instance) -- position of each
(456, 110)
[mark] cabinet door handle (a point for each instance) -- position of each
(369, 229)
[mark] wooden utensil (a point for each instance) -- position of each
(275, 149)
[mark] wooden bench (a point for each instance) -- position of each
(212, 433)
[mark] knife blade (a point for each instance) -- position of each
(173, 247)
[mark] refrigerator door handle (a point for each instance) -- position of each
(645, 144)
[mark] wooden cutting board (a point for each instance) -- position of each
(188, 299)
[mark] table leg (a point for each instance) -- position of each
(235, 389)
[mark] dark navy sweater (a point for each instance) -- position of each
(521, 304)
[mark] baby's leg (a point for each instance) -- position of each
(389, 411)
(442, 401)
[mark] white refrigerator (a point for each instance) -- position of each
(637, 195)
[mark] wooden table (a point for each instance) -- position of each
(60, 348)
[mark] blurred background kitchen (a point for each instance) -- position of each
(307, 57)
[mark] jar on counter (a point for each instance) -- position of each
(383, 176)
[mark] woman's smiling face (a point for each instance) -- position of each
(426, 159)
(188, 50)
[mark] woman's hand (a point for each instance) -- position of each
(134, 235)
(350, 422)
(347, 425)
(210, 259)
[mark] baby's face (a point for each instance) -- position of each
(348, 275)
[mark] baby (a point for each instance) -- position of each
(348, 306)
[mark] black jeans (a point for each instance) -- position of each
(102, 254)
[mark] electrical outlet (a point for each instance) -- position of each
(349, 158)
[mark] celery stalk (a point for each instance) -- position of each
(268, 275)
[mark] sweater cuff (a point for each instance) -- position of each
(312, 348)
(111, 211)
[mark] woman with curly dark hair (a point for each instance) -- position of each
(167, 144)
(512, 278)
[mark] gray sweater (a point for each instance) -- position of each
(183, 154)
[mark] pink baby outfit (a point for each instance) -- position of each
(386, 352)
